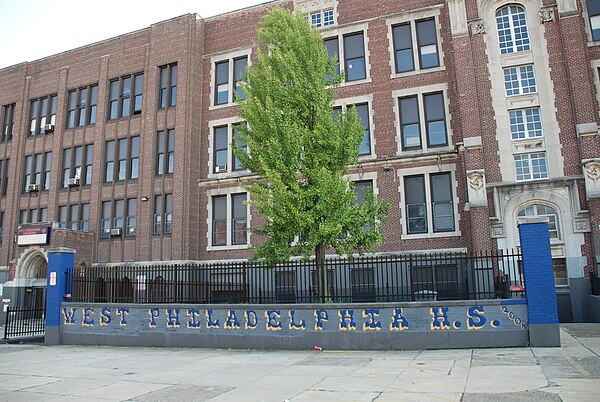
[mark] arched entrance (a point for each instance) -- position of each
(31, 279)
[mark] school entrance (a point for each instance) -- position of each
(26, 313)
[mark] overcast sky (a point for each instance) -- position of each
(33, 29)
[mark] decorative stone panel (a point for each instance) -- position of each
(591, 174)
(476, 187)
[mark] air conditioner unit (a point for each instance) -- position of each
(115, 232)
(131, 230)
(73, 182)
(221, 169)
(49, 128)
(33, 188)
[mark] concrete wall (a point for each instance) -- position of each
(426, 325)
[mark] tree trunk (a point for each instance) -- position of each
(322, 273)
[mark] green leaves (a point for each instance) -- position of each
(299, 149)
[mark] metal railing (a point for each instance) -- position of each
(25, 322)
(393, 278)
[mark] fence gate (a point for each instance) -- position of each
(22, 322)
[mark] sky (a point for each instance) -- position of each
(33, 29)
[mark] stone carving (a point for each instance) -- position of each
(591, 174)
(475, 180)
(592, 170)
(497, 230)
(477, 193)
(546, 15)
(582, 226)
(477, 27)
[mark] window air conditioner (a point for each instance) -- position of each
(221, 169)
(33, 188)
(115, 232)
(49, 128)
(73, 182)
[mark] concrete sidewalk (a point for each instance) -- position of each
(570, 373)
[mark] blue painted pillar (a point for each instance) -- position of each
(539, 282)
(60, 261)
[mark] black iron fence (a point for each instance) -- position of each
(396, 278)
(24, 322)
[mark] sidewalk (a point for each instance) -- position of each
(570, 373)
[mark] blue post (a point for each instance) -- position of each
(60, 261)
(539, 282)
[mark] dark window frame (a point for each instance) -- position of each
(167, 90)
(123, 94)
(165, 152)
(82, 111)
(40, 117)
(8, 122)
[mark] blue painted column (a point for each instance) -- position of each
(539, 282)
(60, 261)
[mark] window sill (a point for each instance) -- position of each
(222, 106)
(357, 82)
(417, 72)
(427, 151)
(406, 236)
(228, 247)
(228, 175)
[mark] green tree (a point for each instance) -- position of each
(300, 151)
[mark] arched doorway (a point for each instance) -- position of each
(31, 279)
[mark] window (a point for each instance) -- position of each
(36, 171)
(361, 188)
(512, 29)
(322, 18)
(8, 122)
(62, 217)
(131, 224)
(163, 214)
(33, 216)
(333, 51)
(105, 220)
(229, 220)
(84, 218)
(81, 106)
(285, 287)
(113, 217)
(223, 158)
(438, 282)
(120, 93)
(124, 170)
(423, 115)
(228, 74)
(165, 148)
(519, 80)
(593, 7)
(168, 86)
(42, 115)
(4, 176)
(238, 223)
(363, 113)
(1, 226)
(354, 57)
(219, 221)
(362, 282)
(525, 123)
(76, 163)
(538, 210)
(531, 166)
(440, 206)
(420, 35)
